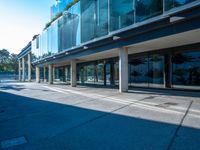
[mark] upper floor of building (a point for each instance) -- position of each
(85, 21)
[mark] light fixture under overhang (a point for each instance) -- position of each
(116, 38)
(176, 18)
(54, 57)
(85, 47)
(67, 53)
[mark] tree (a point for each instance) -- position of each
(8, 62)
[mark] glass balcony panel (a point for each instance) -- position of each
(146, 9)
(101, 18)
(76, 33)
(169, 4)
(87, 20)
(122, 14)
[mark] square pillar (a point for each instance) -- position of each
(29, 67)
(123, 70)
(51, 74)
(73, 73)
(37, 74)
(23, 69)
(19, 69)
(65, 70)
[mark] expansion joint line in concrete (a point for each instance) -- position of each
(179, 126)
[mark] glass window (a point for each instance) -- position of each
(156, 69)
(175, 3)
(94, 19)
(87, 20)
(138, 71)
(121, 14)
(186, 69)
(146, 9)
(100, 74)
(101, 18)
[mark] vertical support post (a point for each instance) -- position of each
(37, 74)
(168, 71)
(23, 69)
(73, 73)
(50, 74)
(123, 70)
(65, 72)
(29, 67)
(19, 69)
(53, 73)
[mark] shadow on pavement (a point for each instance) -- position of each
(49, 125)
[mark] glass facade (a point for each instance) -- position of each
(69, 28)
(186, 69)
(146, 71)
(90, 19)
(146, 9)
(59, 7)
(104, 72)
(121, 13)
(94, 19)
(169, 4)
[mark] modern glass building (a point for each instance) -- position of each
(122, 43)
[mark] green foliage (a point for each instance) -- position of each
(8, 62)
(60, 14)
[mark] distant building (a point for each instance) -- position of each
(124, 43)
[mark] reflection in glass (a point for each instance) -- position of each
(175, 3)
(146, 9)
(121, 13)
(156, 68)
(138, 71)
(186, 69)
(94, 19)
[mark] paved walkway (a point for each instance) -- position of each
(58, 117)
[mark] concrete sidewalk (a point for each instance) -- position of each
(39, 116)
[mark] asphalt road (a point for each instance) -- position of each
(58, 117)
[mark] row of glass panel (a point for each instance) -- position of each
(90, 19)
(59, 7)
(145, 71)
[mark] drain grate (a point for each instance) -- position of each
(13, 142)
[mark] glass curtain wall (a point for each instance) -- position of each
(186, 70)
(121, 13)
(90, 19)
(98, 72)
(146, 71)
(69, 28)
(146, 9)
(169, 4)
(94, 19)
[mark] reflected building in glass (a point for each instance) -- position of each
(121, 43)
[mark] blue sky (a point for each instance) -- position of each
(20, 20)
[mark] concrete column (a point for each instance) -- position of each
(168, 71)
(19, 69)
(29, 67)
(123, 70)
(65, 74)
(53, 72)
(23, 69)
(50, 74)
(73, 73)
(37, 74)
